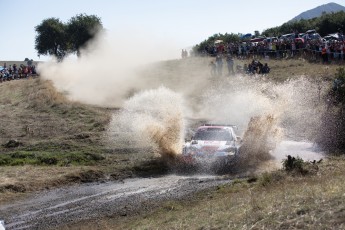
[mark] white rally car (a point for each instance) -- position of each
(212, 142)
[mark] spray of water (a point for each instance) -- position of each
(259, 140)
(266, 114)
(153, 119)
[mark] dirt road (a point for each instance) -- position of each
(68, 205)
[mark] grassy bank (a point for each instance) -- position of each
(49, 141)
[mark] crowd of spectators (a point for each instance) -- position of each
(310, 46)
(310, 49)
(14, 72)
(255, 67)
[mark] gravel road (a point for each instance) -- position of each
(54, 208)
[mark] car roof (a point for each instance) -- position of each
(310, 31)
(284, 35)
(217, 126)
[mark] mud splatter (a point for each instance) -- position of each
(153, 119)
(259, 140)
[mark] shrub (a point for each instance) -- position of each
(297, 165)
(292, 163)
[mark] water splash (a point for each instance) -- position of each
(153, 119)
(260, 138)
(265, 112)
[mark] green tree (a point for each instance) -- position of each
(325, 24)
(271, 32)
(81, 29)
(51, 38)
(227, 38)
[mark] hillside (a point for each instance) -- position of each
(318, 11)
(48, 140)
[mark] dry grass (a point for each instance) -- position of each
(17, 180)
(33, 110)
(275, 201)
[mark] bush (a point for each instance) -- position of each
(297, 165)
(292, 163)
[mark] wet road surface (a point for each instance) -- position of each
(53, 208)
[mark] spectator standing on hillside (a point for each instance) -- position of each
(220, 48)
(293, 49)
(213, 67)
(230, 64)
(274, 49)
(184, 54)
(328, 48)
(26, 71)
(265, 69)
(324, 55)
(219, 63)
(15, 71)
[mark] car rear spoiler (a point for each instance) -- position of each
(227, 125)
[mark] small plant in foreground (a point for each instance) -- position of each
(293, 163)
(298, 165)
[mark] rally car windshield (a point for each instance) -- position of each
(213, 135)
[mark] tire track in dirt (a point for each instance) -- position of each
(63, 206)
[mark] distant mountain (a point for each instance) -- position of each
(317, 12)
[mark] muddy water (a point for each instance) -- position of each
(67, 205)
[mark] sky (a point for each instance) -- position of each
(181, 23)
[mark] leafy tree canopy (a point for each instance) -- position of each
(227, 38)
(59, 39)
(81, 29)
(51, 38)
